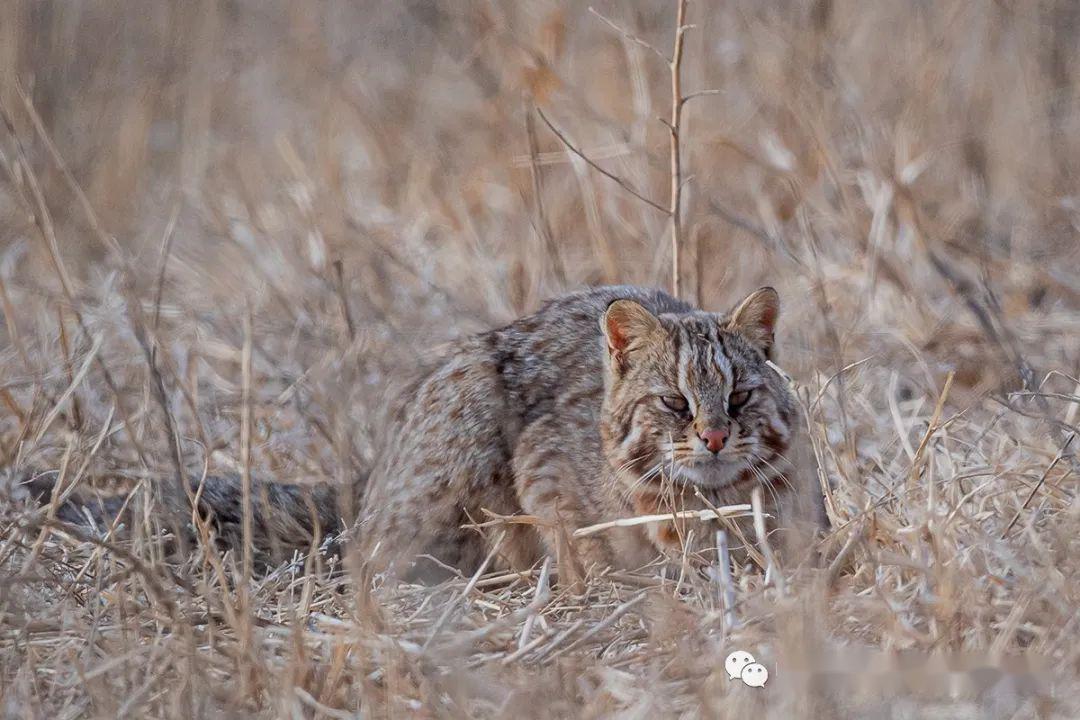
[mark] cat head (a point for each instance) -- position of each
(690, 396)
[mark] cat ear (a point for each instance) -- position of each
(626, 324)
(755, 317)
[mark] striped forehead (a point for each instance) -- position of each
(702, 358)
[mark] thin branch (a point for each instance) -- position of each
(246, 420)
(1039, 484)
(763, 541)
(450, 606)
(42, 216)
(343, 299)
(543, 226)
(107, 240)
(632, 37)
(58, 406)
(244, 591)
(986, 313)
(559, 640)
(149, 348)
(675, 207)
(43, 220)
(166, 249)
(701, 93)
(747, 225)
(543, 593)
(461, 307)
(740, 510)
(931, 428)
(600, 626)
(618, 180)
(725, 583)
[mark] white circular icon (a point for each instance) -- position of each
(735, 663)
(755, 675)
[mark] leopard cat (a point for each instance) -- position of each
(606, 403)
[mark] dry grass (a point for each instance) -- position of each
(271, 210)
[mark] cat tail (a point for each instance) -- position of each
(285, 518)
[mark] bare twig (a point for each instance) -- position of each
(543, 226)
(987, 314)
(343, 299)
(452, 605)
(558, 640)
(1039, 484)
(611, 176)
(703, 515)
(8, 309)
(743, 223)
(725, 520)
(163, 261)
(933, 427)
(631, 37)
(107, 240)
(539, 599)
(701, 93)
(839, 562)
(65, 347)
(674, 126)
(245, 496)
(602, 625)
(42, 216)
(149, 349)
(724, 581)
(245, 442)
(79, 376)
(453, 299)
(43, 220)
(763, 541)
(674, 129)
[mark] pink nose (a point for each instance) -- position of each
(714, 439)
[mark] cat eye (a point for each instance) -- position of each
(738, 399)
(675, 403)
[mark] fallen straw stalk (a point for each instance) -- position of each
(743, 510)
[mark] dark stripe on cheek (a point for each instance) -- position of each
(626, 423)
(642, 453)
(772, 441)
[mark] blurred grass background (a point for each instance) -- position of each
(364, 181)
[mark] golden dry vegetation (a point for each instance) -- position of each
(218, 210)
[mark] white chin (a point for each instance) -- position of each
(711, 475)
